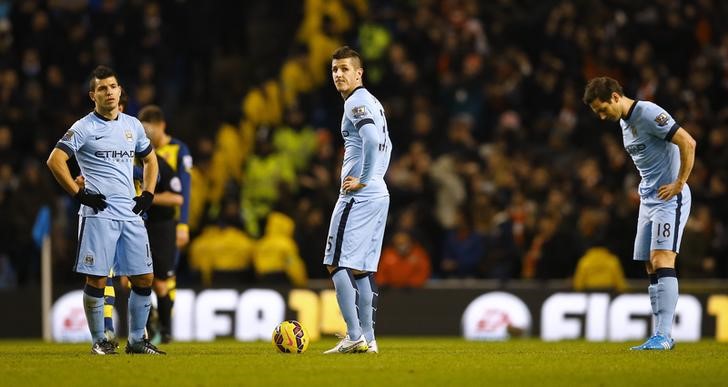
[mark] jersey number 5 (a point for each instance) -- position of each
(329, 243)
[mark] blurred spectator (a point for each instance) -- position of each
(24, 204)
(296, 140)
(553, 252)
(450, 191)
(697, 258)
(463, 248)
(598, 270)
(276, 259)
(200, 184)
(270, 174)
(404, 263)
(223, 253)
(559, 254)
(502, 260)
(8, 155)
(310, 235)
(8, 185)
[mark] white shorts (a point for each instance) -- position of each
(108, 244)
(356, 232)
(661, 224)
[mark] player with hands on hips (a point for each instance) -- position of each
(664, 154)
(354, 241)
(111, 233)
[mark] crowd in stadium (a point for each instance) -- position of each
(498, 170)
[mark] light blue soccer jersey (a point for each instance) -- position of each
(367, 147)
(105, 151)
(647, 132)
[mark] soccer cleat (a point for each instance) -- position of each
(372, 347)
(349, 346)
(104, 347)
(656, 343)
(143, 347)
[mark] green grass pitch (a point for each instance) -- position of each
(402, 362)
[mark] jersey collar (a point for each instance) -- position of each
(353, 91)
(104, 118)
(631, 109)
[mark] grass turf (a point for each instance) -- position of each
(402, 362)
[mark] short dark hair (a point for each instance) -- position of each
(344, 52)
(151, 113)
(100, 72)
(601, 88)
(123, 99)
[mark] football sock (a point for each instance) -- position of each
(164, 308)
(346, 295)
(171, 294)
(93, 305)
(652, 290)
(667, 293)
(109, 301)
(368, 295)
(140, 300)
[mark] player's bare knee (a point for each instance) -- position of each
(142, 281)
(96, 281)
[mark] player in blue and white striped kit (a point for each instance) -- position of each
(111, 233)
(664, 154)
(354, 241)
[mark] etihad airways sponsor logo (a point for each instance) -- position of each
(115, 155)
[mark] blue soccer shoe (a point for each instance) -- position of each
(656, 343)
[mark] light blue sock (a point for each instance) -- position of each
(652, 291)
(93, 305)
(667, 293)
(140, 300)
(346, 295)
(368, 295)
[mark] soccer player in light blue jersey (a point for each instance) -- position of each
(664, 154)
(354, 241)
(111, 233)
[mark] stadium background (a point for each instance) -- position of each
(499, 172)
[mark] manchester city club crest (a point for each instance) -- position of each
(88, 260)
(129, 136)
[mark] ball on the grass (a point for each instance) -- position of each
(290, 337)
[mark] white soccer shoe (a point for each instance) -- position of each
(349, 346)
(372, 347)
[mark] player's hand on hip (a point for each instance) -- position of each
(80, 182)
(143, 202)
(96, 201)
(667, 191)
(351, 184)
